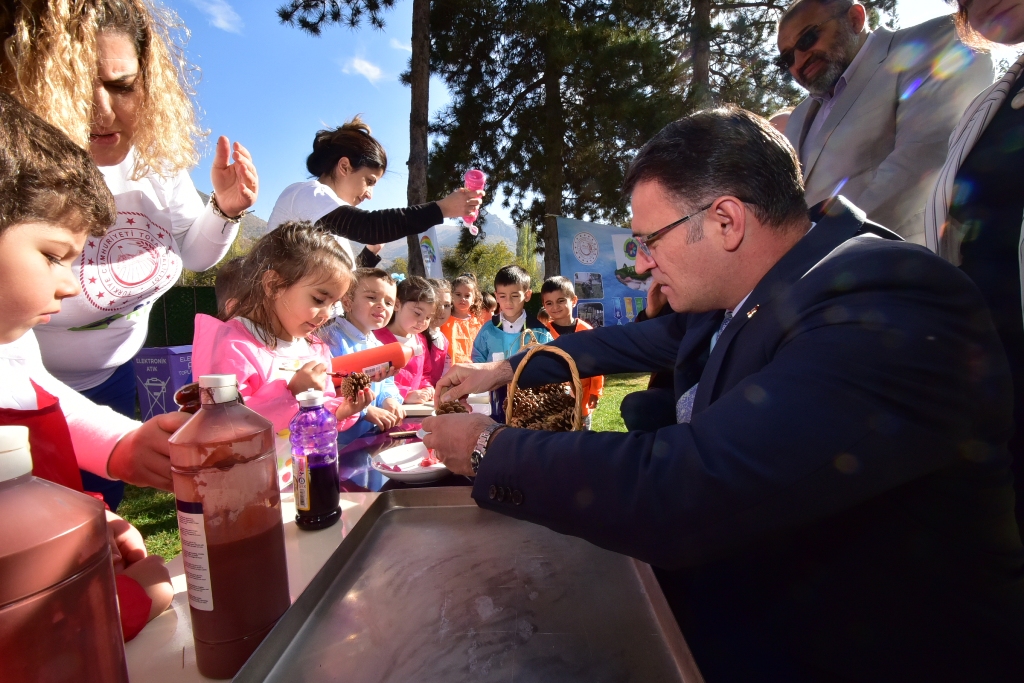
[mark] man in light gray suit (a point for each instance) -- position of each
(882, 105)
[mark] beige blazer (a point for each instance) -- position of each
(885, 139)
(943, 238)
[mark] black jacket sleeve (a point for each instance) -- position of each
(367, 259)
(386, 225)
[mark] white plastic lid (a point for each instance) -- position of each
(311, 398)
(215, 381)
(15, 455)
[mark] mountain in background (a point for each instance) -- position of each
(496, 230)
(253, 227)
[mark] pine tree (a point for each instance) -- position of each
(552, 99)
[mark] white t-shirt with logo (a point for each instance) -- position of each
(161, 227)
(310, 201)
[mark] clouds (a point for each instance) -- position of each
(401, 46)
(358, 65)
(221, 14)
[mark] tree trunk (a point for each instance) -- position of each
(419, 73)
(554, 140)
(700, 83)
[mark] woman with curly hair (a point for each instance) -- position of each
(110, 75)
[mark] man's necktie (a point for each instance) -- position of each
(684, 406)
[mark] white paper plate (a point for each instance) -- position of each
(407, 456)
(419, 409)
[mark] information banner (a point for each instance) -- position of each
(600, 261)
(430, 247)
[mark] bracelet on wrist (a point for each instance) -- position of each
(217, 211)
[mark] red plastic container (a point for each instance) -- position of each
(58, 600)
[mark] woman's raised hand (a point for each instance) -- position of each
(462, 202)
(236, 184)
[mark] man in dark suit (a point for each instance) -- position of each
(834, 502)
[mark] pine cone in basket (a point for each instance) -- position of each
(549, 407)
(450, 408)
(353, 384)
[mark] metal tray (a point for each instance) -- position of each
(429, 587)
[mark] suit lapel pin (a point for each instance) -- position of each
(752, 311)
(1018, 100)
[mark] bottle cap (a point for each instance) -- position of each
(219, 388)
(216, 381)
(310, 398)
(15, 455)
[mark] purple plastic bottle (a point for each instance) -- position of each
(314, 439)
(475, 179)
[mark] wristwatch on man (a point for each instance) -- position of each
(481, 445)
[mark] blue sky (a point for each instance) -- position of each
(272, 86)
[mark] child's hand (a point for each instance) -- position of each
(395, 408)
(154, 578)
(424, 395)
(381, 374)
(126, 545)
(312, 375)
(348, 408)
(592, 402)
(382, 419)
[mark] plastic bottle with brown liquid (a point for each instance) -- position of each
(224, 468)
(58, 600)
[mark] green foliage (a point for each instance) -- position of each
(240, 247)
(484, 260)
(526, 252)
(400, 265)
(547, 89)
(312, 15)
(607, 417)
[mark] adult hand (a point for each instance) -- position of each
(382, 419)
(471, 378)
(453, 438)
(374, 248)
(656, 300)
(152, 575)
(126, 544)
(312, 375)
(236, 184)
(394, 407)
(350, 407)
(462, 202)
(142, 457)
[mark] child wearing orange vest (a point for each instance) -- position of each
(559, 298)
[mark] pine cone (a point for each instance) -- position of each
(548, 407)
(353, 384)
(450, 408)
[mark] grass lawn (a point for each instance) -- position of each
(152, 511)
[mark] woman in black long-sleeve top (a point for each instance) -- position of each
(346, 164)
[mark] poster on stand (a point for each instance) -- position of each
(600, 260)
(430, 247)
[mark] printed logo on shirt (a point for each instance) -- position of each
(137, 260)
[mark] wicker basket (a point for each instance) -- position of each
(571, 415)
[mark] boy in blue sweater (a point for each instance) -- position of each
(369, 303)
(510, 330)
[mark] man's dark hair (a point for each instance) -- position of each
(512, 275)
(44, 177)
(724, 151)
